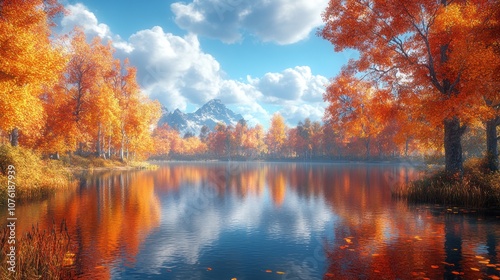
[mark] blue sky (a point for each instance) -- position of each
(259, 57)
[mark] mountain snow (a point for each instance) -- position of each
(210, 114)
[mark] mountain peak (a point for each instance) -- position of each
(211, 113)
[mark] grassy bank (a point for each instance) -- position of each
(32, 176)
(76, 162)
(478, 188)
(36, 178)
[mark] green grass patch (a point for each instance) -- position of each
(478, 188)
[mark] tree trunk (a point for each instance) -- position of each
(122, 145)
(492, 144)
(368, 148)
(109, 147)
(98, 143)
(14, 137)
(407, 144)
(452, 146)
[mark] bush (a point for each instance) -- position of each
(33, 176)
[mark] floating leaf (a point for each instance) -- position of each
(280, 272)
(434, 266)
(329, 274)
(474, 269)
(209, 268)
(269, 271)
(455, 273)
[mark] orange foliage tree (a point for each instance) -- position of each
(29, 64)
(434, 45)
(276, 135)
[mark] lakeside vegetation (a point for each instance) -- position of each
(41, 254)
(478, 188)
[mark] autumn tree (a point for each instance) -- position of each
(276, 135)
(29, 63)
(353, 109)
(432, 45)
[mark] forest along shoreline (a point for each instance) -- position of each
(39, 176)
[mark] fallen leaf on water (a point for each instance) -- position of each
(375, 255)
(479, 257)
(234, 278)
(348, 240)
(485, 262)
(474, 269)
(449, 264)
(280, 272)
(435, 266)
(329, 274)
(455, 272)
(209, 268)
(99, 267)
(269, 271)
(491, 265)
(494, 277)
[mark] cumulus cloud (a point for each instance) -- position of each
(278, 21)
(79, 15)
(291, 84)
(293, 113)
(176, 71)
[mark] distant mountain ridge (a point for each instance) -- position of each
(210, 114)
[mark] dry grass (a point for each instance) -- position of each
(39, 255)
(478, 188)
(34, 177)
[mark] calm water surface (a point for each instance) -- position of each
(265, 221)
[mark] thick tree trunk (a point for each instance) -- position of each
(492, 144)
(453, 146)
(14, 137)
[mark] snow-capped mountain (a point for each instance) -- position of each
(209, 114)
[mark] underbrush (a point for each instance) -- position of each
(32, 176)
(477, 188)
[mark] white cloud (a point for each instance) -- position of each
(279, 21)
(79, 15)
(176, 71)
(293, 113)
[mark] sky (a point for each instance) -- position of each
(258, 57)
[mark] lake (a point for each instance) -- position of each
(242, 220)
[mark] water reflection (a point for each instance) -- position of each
(225, 220)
